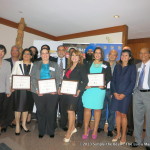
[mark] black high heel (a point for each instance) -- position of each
(4, 129)
(25, 130)
(17, 133)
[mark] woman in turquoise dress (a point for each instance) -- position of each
(93, 98)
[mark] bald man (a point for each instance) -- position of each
(141, 100)
(113, 54)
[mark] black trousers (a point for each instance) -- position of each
(130, 117)
(63, 113)
(6, 110)
(46, 108)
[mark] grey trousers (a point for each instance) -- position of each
(141, 107)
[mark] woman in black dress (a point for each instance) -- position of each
(22, 98)
(76, 71)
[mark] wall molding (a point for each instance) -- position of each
(141, 40)
(122, 28)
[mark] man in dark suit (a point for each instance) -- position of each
(141, 100)
(14, 56)
(62, 63)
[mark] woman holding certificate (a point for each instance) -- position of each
(123, 82)
(93, 97)
(5, 72)
(46, 101)
(22, 97)
(76, 72)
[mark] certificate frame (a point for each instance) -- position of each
(95, 77)
(73, 84)
(21, 86)
(47, 82)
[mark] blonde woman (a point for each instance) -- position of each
(75, 71)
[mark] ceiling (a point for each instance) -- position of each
(62, 17)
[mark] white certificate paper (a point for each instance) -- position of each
(96, 80)
(69, 87)
(20, 82)
(47, 86)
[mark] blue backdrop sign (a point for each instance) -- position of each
(107, 47)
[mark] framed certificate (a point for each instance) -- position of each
(96, 80)
(21, 82)
(47, 86)
(69, 87)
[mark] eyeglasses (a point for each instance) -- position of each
(26, 54)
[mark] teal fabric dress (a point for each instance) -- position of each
(93, 98)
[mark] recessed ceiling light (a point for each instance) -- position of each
(116, 16)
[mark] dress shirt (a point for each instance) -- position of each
(63, 60)
(147, 68)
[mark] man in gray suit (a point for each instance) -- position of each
(141, 100)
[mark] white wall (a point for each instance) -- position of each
(8, 37)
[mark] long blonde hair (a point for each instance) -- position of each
(77, 53)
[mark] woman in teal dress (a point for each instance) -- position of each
(93, 98)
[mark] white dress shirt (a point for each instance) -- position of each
(147, 68)
(63, 60)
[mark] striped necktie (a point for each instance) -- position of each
(141, 78)
(61, 68)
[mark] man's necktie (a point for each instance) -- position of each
(141, 78)
(61, 68)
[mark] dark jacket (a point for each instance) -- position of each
(79, 74)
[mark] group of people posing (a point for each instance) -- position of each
(124, 83)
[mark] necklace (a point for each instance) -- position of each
(96, 65)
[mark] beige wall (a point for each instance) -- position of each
(8, 36)
(104, 38)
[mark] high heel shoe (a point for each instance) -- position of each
(25, 130)
(4, 129)
(84, 136)
(68, 140)
(94, 136)
(116, 139)
(122, 143)
(17, 133)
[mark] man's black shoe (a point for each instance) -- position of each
(41, 136)
(134, 144)
(147, 147)
(130, 132)
(110, 134)
(65, 128)
(79, 125)
(52, 136)
(99, 130)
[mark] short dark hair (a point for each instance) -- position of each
(130, 62)
(102, 52)
(45, 45)
(60, 46)
(2, 47)
(26, 50)
(43, 49)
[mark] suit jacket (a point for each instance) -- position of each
(17, 68)
(137, 77)
(11, 62)
(106, 71)
(79, 74)
(35, 74)
(124, 79)
(56, 59)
